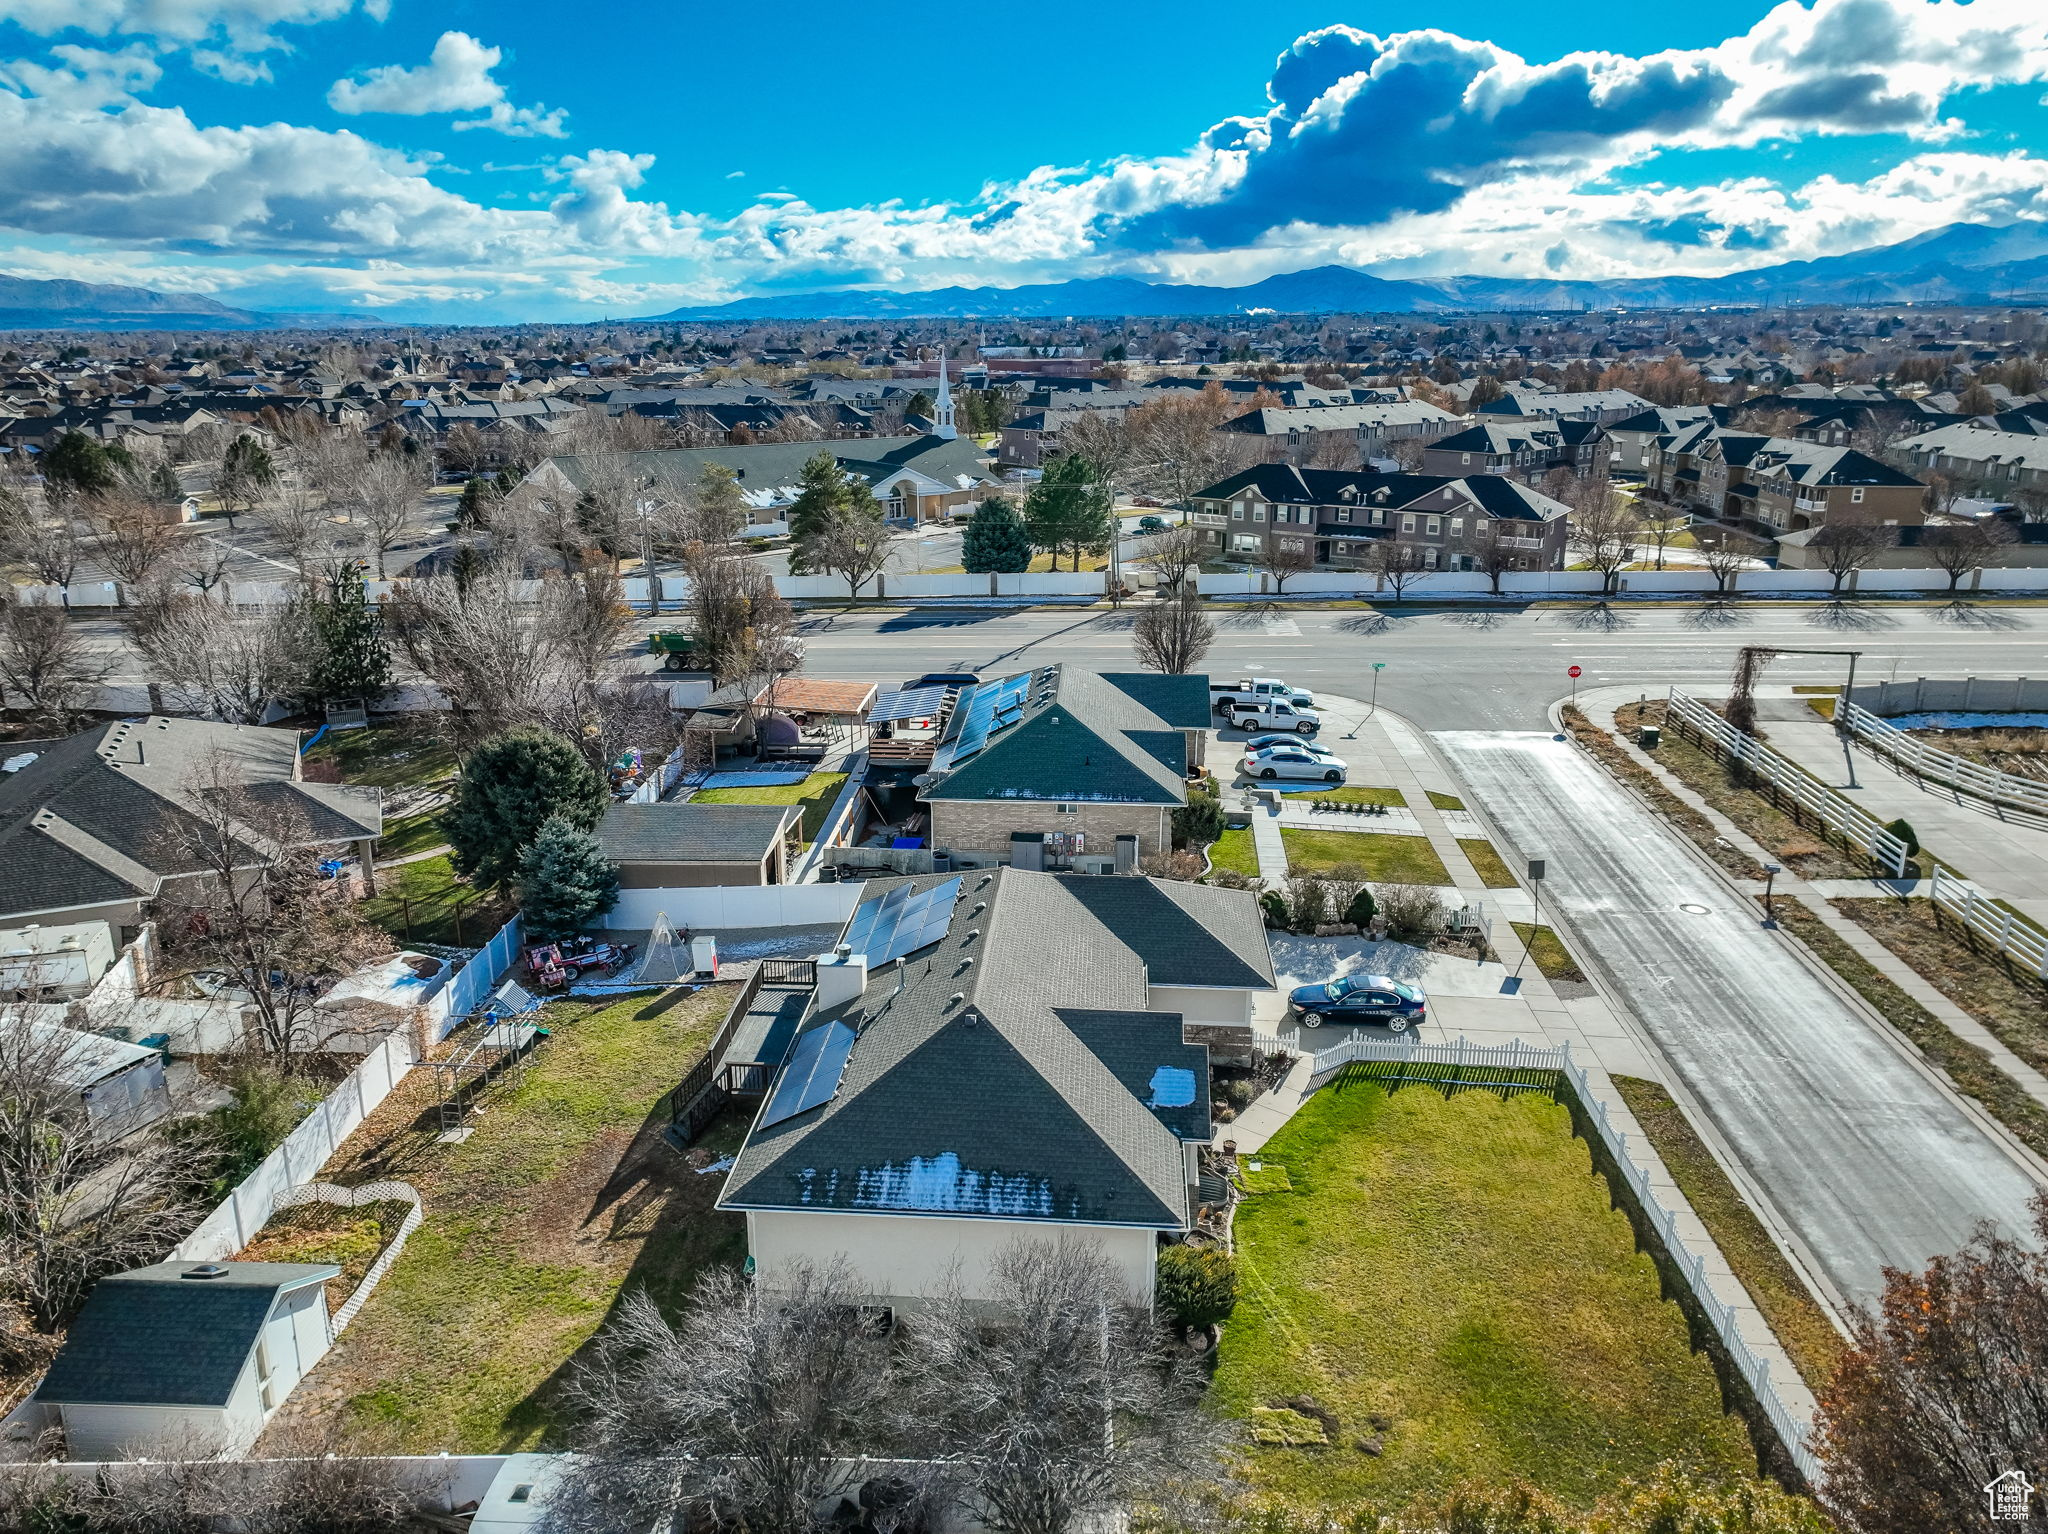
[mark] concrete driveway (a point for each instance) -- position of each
(1869, 1159)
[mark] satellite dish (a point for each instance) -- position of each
(924, 780)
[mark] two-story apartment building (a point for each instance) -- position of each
(1603, 407)
(1527, 449)
(1997, 462)
(1773, 485)
(1060, 768)
(1364, 431)
(1336, 516)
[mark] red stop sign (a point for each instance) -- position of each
(1573, 672)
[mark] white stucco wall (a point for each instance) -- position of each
(900, 1259)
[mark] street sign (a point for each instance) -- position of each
(1535, 870)
(1573, 672)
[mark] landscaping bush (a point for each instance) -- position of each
(1362, 908)
(1197, 1286)
(269, 1104)
(1199, 822)
(1904, 832)
(1274, 905)
(1414, 912)
(1309, 897)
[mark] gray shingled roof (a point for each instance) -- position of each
(107, 813)
(693, 833)
(1081, 737)
(155, 1338)
(1012, 1070)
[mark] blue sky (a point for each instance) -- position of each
(518, 160)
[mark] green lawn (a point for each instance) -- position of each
(1486, 862)
(1548, 950)
(1351, 795)
(1446, 801)
(1384, 858)
(411, 833)
(815, 794)
(403, 754)
(424, 902)
(1234, 849)
(563, 1194)
(1447, 1278)
(1808, 1336)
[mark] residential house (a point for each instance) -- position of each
(187, 1356)
(103, 822)
(1603, 407)
(1060, 768)
(1630, 438)
(1528, 450)
(1766, 486)
(1997, 462)
(668, 846)
(995, 1057)
(1336, 516)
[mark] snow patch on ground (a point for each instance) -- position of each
(1962, 721)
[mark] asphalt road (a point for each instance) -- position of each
(1867, 1158)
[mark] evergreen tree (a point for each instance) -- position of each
(78, 463)
(997, 542)
(351, 659)
(509, 788)
(1067, 509)
(504, 482)
(473, 510)
(565, 882)
(163, 483)
(821, 491)
(245, 473)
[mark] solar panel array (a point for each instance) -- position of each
(990, 707)
(921, 703)
(902, 921)
(812, 1074)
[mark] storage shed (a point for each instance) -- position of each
(187, 1351)
(667, 846)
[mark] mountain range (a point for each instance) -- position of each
(1958, 263)
(30, 304)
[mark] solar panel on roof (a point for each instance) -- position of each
(902, 921)
(812, 1075)
(922, 703)
(990, 707)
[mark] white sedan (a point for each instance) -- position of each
(1292, 761)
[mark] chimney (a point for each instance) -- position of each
(842, 976)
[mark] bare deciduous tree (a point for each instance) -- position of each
(46, 541)
(78, 1199)
(1957, 548)
(1175, 554)
(1604, 529)
(385, 496)
(1177, 451)
(853, 546)
(227, 665)
(1283, 557)
(1398, 565)
(1054, 1400)
(1726, 553)
(742, 625)
(1173, 634)
(1846, 547)
(130, 538)
(46, 666)
(258, 909)
(750, 1411)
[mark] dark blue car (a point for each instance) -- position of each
(1360, 999)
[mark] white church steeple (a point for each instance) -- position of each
(942, 410)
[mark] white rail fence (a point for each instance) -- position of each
(1938, 766)
(1492, 1067)
(1845, 818)
(2009, 932)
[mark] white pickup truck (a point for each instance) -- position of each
(1256, 691)
(1275, 714)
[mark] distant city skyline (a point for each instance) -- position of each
(467, 162)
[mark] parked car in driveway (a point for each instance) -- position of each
(1288, 743)
(1275, 715)
(1360, 999)
(1293, 761)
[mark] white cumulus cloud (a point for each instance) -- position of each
(455, 78)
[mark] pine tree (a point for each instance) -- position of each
(508, 790)
(76, 462)
(821, 492)
(997, 542)
(163, 483)
(473, 510)
(351, 659)
(565, 881)
(1067, 509)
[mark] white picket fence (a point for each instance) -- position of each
(2009, 932)
(1847, 819)
(1469, 1064)
(1938, 766)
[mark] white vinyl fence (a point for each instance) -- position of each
(2011, 934)
(1491, 1066)
(1937, 766)
(1849, 820)
(722, 907)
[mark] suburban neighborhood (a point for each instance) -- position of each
(1092, 859)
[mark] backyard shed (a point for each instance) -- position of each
(666, 846)
(187, 1350)
(120, 1086)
